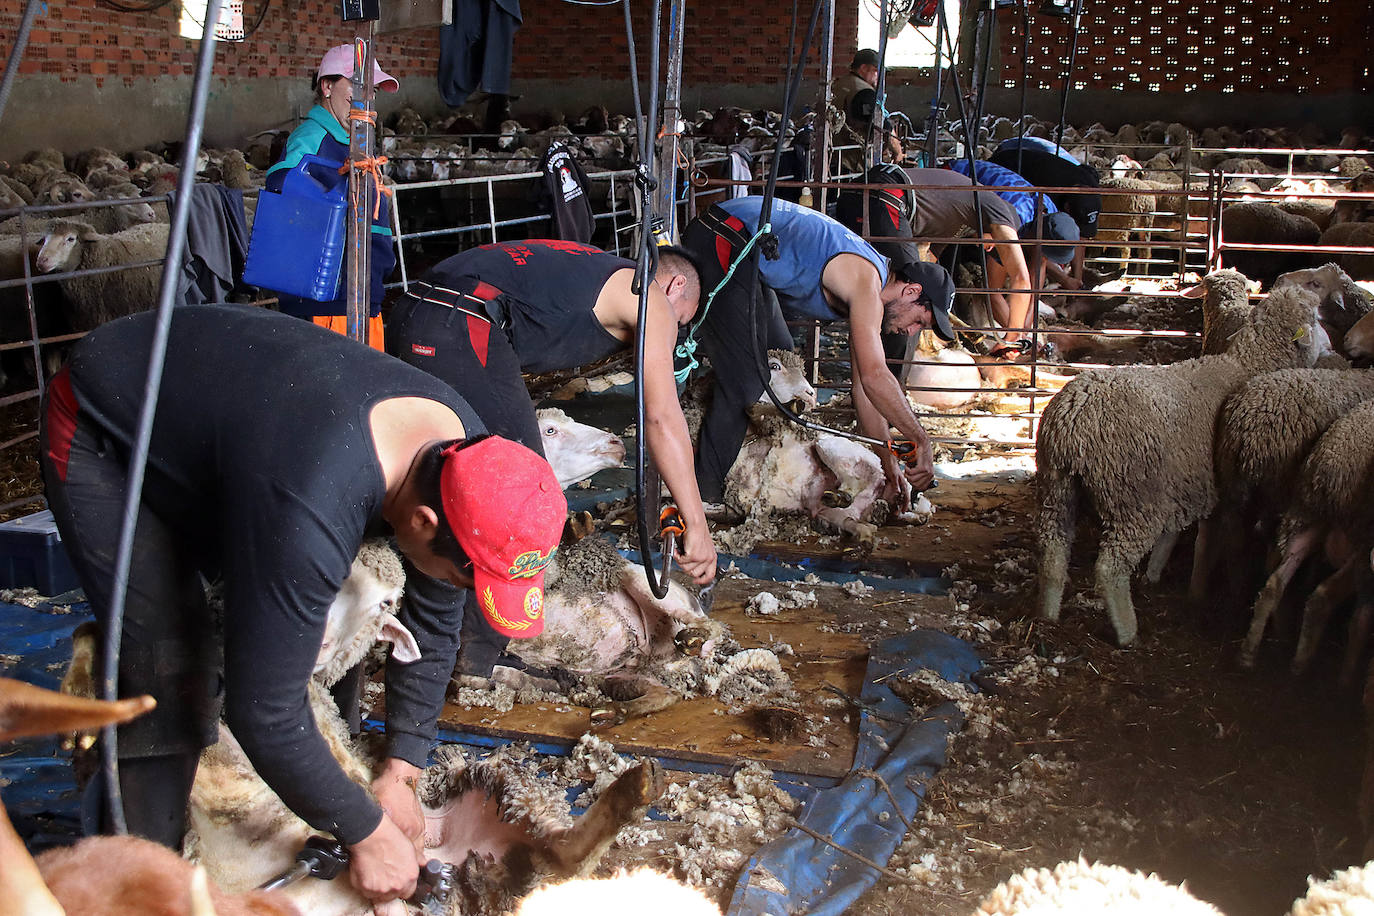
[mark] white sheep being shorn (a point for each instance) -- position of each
(575, 450)
(1137, 443)
(1079, 888)
(502, 839)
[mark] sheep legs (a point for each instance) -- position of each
(1317, 611)
(1297, 550)
(1204, 555)
(1357, 637)
(1159, 556)
(1058, 508)
(577, 850)
(1114, 586)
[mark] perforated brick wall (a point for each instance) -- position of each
(1186, 46)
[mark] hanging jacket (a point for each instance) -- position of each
(563, 194)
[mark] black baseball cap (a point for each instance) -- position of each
(937, 289)
(1059, 226)
(864, 57)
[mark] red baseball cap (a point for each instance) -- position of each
(507, 511)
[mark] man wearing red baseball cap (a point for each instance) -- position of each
(278, 447)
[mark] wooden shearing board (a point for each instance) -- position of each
(703, 730)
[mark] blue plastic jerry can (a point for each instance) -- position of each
(298, 239)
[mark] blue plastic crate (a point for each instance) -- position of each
(31, 555)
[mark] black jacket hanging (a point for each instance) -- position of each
(563, 194)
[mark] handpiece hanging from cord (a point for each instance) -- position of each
(646, 483)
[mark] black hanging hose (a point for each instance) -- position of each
(1025, 73)
(645, 268)
(138, 460)
(1068, 78)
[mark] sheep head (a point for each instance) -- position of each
(363, 613)
(60, 247)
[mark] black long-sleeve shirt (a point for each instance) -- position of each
(262, 459)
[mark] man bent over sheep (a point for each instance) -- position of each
(278, 447)
(825, 272)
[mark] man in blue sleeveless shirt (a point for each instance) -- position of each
(826, 272)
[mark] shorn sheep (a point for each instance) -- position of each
(1137, 443)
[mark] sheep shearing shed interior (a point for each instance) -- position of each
(1119, 652)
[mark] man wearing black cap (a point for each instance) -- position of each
(854, 96)
(822, 271)
(942, 204)
(1048, 169)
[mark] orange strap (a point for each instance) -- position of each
(372, 165)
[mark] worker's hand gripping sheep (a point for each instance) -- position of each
(783, 467)
(1137, 442)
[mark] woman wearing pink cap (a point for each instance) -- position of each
(324, 133)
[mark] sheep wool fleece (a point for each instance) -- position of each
(261, 470)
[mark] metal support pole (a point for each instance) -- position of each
(21, 40)
(133, 497)
(933, 119)
(665, 199)
(877, 133)
(820, 151)
(361, 186)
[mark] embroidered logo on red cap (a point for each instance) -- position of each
(514, 626)
(534, 603)
(529, 563)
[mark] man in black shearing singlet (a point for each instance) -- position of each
(277, 448)
(480, 318)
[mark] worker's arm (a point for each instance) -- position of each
(666, 435)
(1017, 305)
(854, 280)
(874, 425)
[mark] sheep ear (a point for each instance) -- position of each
(404, 648)
(88, 235)
(1194, 292)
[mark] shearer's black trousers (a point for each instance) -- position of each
(168, 646)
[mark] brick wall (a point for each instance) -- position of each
(76, 39)
(725, 42)
(1159, 45)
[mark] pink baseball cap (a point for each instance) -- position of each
(338, 61)
(506, 508)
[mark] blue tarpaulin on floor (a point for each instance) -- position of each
(868, 813)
